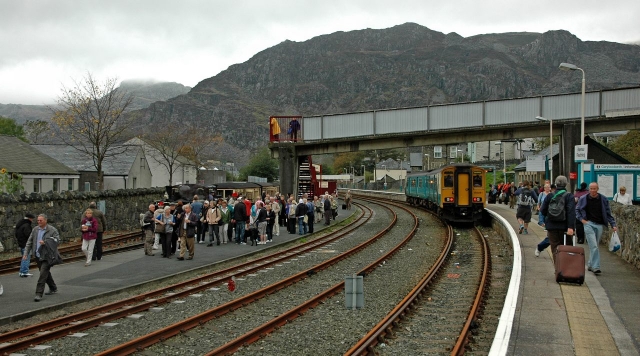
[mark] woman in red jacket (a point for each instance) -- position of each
(89, 229)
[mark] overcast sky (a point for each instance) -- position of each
(45, 44)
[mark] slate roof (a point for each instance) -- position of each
(117, 165)
(390, 163)
(19, 157)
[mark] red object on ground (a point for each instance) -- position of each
(231, 284)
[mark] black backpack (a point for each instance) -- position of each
(557, 211)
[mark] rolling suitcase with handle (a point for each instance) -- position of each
(569, 263)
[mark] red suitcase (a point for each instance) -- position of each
(569, 263)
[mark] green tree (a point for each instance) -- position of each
(92, 120)
(11, 128)
(628, 146)
(347, 160)
(261, 165)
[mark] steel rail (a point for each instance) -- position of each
(149, 299)
(293, 313)
(199, 319)
(366, 344)
(463, 339)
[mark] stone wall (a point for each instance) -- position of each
(64, 210)
(628, 222)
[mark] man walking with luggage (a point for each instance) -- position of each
(559, 224)
(595, 214)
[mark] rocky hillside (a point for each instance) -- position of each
(406, 65)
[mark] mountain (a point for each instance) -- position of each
(144, 94)
(147, 92)
(406, 65)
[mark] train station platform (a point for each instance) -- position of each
(601, 317)
(122, 271)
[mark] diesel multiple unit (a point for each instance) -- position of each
(455, 192)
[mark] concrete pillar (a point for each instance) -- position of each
(570, 138)
(288, 170)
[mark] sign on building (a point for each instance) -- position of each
(580, 154)
(535, 164)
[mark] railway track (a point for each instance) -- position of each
(168, 337)
(428, 318)
(73, 251)
(54, 329)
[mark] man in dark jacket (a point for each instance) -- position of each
(327, 209)
(557, 229)
(240, 217)
(595, 214)
(187, 233)
(102, 225)
(526, 199)
(23, 230)
(37, 239)
(301, 211)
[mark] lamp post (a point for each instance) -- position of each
(385, 176)
(353, 177)
(570, 67)
(364, 177)
(504, 157)
(428, 162)
(550, 145)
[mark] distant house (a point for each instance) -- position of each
(126, 170)
(392, 169)
(184, 171)
(40, 172)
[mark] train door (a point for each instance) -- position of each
(463, 188)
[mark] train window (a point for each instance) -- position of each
(413, 183)
(420, 183)
(448, 180)
(477, 180)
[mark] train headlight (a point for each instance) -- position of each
(477, 200)
(448, 200)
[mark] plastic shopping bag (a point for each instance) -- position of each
(614, 244)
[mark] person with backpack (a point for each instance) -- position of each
(526, 199)
(560, 213)
(595, 214)
(541, 218)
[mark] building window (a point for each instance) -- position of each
(36, 185)
(56, 184)
(142, 162)
(453, 151)
(437, 152)
(69, 184)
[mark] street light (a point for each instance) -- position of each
(364, 178)
(550, 145)
(428, 162)
(385, 176)
(570, 67)
(504, 157)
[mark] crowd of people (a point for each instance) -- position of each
(587, 213)
(180, 226)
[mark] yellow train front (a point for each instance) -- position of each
(455, 192)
